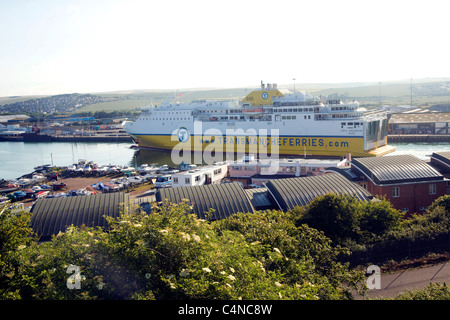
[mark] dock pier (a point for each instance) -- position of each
(393, 138)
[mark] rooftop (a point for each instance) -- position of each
(50, 216)
(395, 169)
(6, 118)
(226, 199)
(292, 192)
(420, 117)
(442, 160)
(259, 198)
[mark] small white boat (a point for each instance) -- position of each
(79, 169)
(162, 168)
(101, 169)
(126, 169)
(112, 168)
(36, 188)
(135, 179)
(149, 176)
(23, 182)
(37, 178)
(145, 168)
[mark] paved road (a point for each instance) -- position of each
(413, 279)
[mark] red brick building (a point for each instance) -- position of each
(410, 184)
(441, 161)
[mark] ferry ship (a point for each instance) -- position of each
(293, 123)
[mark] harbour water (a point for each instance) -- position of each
(19, 158)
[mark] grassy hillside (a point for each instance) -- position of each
(425, 92)
(135, 100)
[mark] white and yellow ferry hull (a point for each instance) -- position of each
(325, 146)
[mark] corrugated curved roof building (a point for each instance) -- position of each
(226, 199)
(292, 192)
(50, 216)
(396, 169)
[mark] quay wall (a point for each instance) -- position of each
(393, 138)
(120, 138)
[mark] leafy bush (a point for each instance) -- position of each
(434, 291)
(343, 218)
(170, 254)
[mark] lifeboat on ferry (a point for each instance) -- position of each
(253, 110)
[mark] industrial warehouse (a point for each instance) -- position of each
(394, 178)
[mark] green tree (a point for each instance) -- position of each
(344, 218)
(442, 201)
(336, 215)
(15, 236)
(378, 218)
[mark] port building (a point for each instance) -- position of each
(224, 199)
(292, 192)
(253, 172)
(409, 183)
(420, 122)
(280, 194)
(53, 215)
(441, 161)
(199, 176)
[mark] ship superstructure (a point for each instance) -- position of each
(296, 123)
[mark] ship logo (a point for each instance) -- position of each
(183, 134)
(265, 95)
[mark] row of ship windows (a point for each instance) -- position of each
(296, 110)
(225, 118)
(175, 112)
(283, 118)
(341, 108)
(165, 119)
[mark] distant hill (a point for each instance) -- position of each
(62, 103)
(425, 92)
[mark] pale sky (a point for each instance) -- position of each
(64, 46)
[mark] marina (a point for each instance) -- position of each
(296, 182)
(19, 158)
(119, 168)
